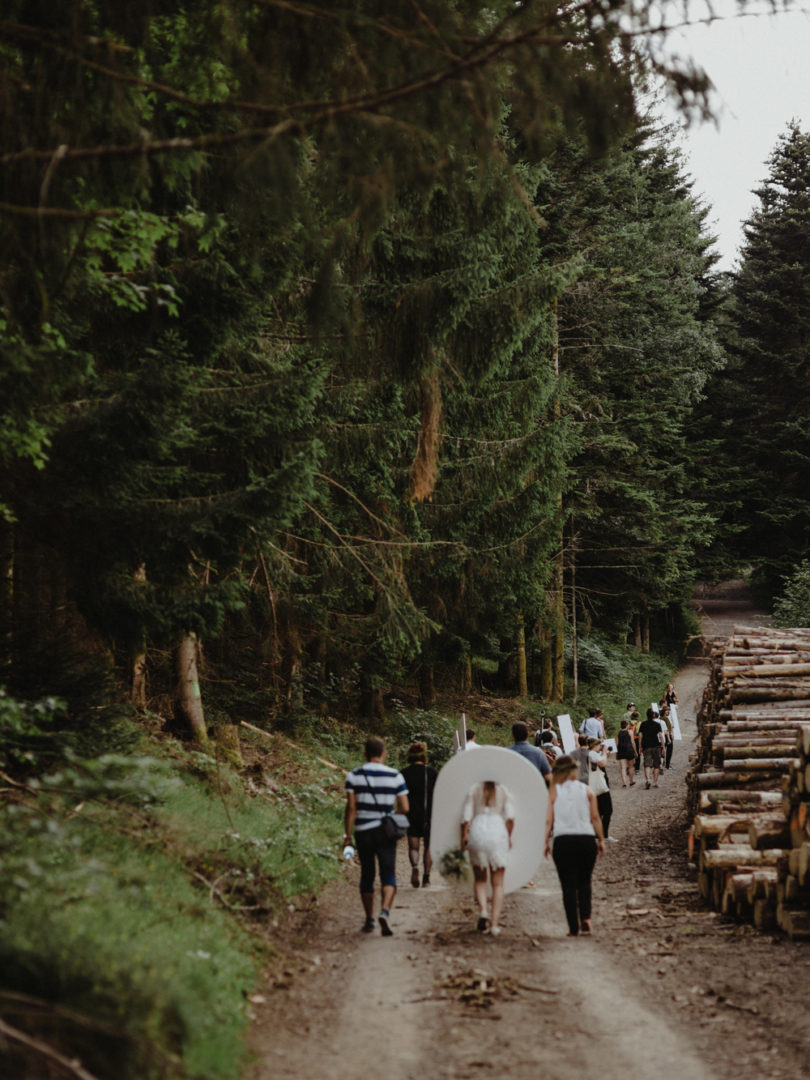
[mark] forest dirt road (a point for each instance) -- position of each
(664, 988)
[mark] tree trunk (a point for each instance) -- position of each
(574, 637)
(427, 690)
(188, 705)
(372, 706)
(522, 681)
(546, 664)
(6, 593)
(294, 669)
(466, 676)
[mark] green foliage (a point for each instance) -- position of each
(756, 408)
(25, 727)
(792, 605)
(407, 726)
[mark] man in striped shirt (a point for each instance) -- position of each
(373, 790)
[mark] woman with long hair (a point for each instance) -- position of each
(574, 828)
(421, 780)
(487, 821)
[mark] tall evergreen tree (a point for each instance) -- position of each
(635, 351)
(758, 405)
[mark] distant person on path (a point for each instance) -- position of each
(634, 725)
(580, 756)
(545, 734)
(520, 733)
(671, 696)
(552, 748)
(626, 753)
(652, 743)
(421, 780)
(574, 838)
(487, 822)
(471, 743)
(598, 783)
(592, 725)
(666, 726)
(373, 790)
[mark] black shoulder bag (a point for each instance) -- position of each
(394, 824)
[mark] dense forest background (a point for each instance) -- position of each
(360, 354)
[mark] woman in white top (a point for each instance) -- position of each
(487, 820)
(573, 822)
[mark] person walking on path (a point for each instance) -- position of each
(652, 743)
(520, 733)
(598, 784)
(665, 721)
(580, 756)
(626, 753)
(574, 838)
(593, 726)
(372, 791)
(487, 821)
(421, 780)
(634, 724)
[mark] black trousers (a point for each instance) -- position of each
(604, 804)
(575, 858)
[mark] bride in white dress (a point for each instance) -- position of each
(487, 820)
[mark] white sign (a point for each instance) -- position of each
(676, 727)
(567, 737)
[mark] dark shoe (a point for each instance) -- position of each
(385, 928)
(368, 926)
(425, 880)
(585, 926)
(647, 786)
(415, 877)
(482, 924)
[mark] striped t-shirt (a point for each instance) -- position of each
(386, 784)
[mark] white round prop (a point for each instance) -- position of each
(529, 794)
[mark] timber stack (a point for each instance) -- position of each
(749, 780)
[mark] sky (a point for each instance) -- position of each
(760, 66)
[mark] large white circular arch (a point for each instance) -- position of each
(529, 794)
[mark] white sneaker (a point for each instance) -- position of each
(612, 840)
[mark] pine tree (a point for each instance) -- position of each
(759, 404)
(636, 351)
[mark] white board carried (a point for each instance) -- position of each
(529, 794)
(567, 736)
(676, 727)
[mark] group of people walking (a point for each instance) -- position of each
(577, 820)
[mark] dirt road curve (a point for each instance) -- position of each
(663, 989)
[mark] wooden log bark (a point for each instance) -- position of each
(719, 825)
(764, 670)
(768, 691)
(766, 749)
(731, 800)
(761, 884)
(737, 777)
(795, 922)
(771, 832)
(764, 914)
(731, 856)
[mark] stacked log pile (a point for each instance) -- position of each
(749, 780)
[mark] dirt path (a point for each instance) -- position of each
(663, 989)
